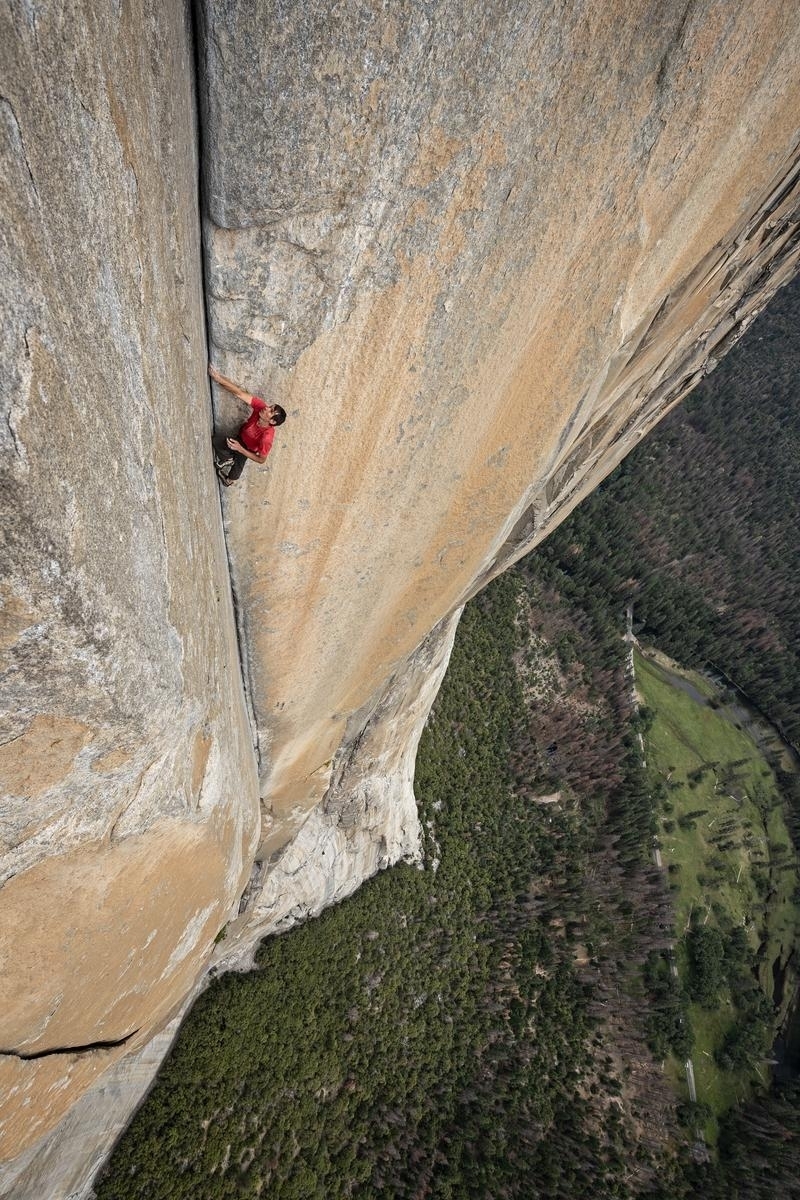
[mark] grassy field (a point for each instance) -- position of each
(724, 840)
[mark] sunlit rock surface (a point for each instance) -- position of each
(476, 251)
(129, 798)
(63, 1164)
(369, 817)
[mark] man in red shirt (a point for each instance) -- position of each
(254, 440)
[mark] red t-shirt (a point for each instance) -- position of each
(257, 439)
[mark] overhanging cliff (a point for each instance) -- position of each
(476, 254)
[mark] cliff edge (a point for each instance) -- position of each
(476, 253)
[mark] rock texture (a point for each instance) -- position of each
(476, 253)
(369, 817)
(63, 1164)
(129, 800)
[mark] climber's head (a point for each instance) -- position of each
(271, 414)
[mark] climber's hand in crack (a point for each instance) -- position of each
(230, 386)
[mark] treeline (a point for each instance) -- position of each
(698, 526)
(722, 957)
(759, 1152)
(698, 530)
(471, 1029)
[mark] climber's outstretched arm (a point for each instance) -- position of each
(230, 386)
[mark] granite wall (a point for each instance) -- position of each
(476, 252)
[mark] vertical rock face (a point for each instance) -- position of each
(127, 776)
(369, 817)
(475, 252)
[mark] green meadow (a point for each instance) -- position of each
(733, 872)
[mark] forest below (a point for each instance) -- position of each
(473, 1028)
(493, 1025)
(698, 526)
(697, 530)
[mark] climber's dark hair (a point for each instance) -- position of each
(278, 414)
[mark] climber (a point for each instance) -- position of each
(254, 439)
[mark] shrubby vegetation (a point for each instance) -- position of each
(706, 953)
(668, 1027)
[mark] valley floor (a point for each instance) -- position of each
(733, 869)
